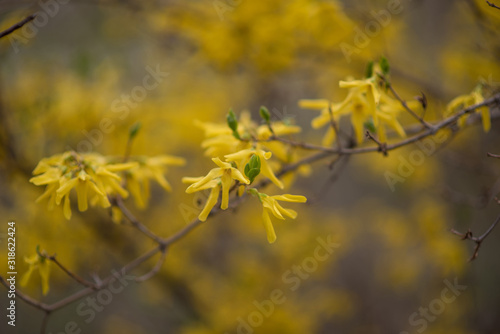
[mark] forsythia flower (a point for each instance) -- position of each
(95, 177)
(270, 205)
(149, 168)
(242, 158)
(217, 179)
(89, 174)
(364, 102)
(37, 262)
(464, 101)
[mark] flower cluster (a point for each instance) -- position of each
(247, 149)
(367, 104)
(95, 177)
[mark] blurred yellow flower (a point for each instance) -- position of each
(37, 262)
(89, 174)
(464, 101)
(149, 168)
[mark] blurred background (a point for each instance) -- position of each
(75, 65)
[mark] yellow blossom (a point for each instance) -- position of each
(464, 101)
(217, 179)
(242, 157)
(270, 205)
(147, 169)
(37, 262)
(89, 174)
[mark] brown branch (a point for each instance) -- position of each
(404, 104)
(492, 5)
(382, 147)
(18, 25)
(478, 240)
(491, 155)
(155, 269)
(74, 276)
(118, 202)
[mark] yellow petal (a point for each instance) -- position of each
(268, 225)
(81, 191)
(211, 201)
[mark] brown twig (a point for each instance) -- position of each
(404, 104)
(478, 240)
(77, 278)
(18, 25)
(118, 202)
(382, 147)
(492, 5)
(491, 155)
(155, 269)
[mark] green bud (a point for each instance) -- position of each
(252, 168)
(369, 70)
(134, 129)
(264, 113)
(233, 123)
(370, 126)
(384, 65)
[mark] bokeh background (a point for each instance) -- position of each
(62, 77)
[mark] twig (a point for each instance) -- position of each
(335, 128)
(404, 104)
(77, 278)
(492, 5)
(478, 240)
(45, 320)
(382, 147)
(155, 269)
(491, 155)
(118, 202)
(18, 25)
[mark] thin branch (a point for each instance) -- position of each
(18, 25)
(118, 202)
(382, 147)
(492, 5)
(155, 269)
(74, 276)
(478, 240)
(404, 104)
(491, 155)
(45, 320)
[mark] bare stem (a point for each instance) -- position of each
(18, 25)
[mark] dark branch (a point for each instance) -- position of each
(18, 25)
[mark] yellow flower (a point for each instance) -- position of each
(89, 174)
(217, 179)
(149, 168)
(242, 157)
(37, 262)
(270, 205)
(464, 101)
